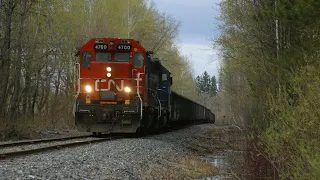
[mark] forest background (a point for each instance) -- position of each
(38, 43)
(268, 83)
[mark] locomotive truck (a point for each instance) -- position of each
(121, 88)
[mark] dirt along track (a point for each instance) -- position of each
(20, 148)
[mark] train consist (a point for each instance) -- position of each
(121, 88)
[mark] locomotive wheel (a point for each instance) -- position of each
(162, 121)
(140, 132)
(156, 124)
(147, 121)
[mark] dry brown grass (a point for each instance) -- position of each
(229, 137)
(2, 129)
(54, 117)
(31, 128)
(216, 140)
(181, 167)
(233, 143)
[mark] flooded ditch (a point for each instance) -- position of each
(219, 161)
(228, 150)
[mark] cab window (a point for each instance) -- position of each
(138, 60)
(122, 57)
(86, 59)
(103, 56)
(164, 77)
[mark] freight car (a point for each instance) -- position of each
(121, 88)
(184, 111)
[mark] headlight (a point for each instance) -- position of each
(108, 74)
(127, 89)
(109, 69)
(88, 88)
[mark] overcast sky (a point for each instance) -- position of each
(197, 28)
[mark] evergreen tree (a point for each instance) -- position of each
(203, 82)
(213, 86)
(206, 84)
(198, 83)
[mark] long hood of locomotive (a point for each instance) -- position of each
(122, 77)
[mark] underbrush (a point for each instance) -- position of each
(291, 142)
(233, 154)
(231, 142)
(39, 120)
(31, 128)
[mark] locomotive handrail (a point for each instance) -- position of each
(138, 92)
(78, 89)
(159, 111)
(159, 100)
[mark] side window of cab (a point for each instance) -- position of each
(138, 60)
(164, 77)
(86, 59)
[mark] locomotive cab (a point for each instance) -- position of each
(111, 86)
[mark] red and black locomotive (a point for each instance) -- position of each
(122, 89)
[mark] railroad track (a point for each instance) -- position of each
(20, 148)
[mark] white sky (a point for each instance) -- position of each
(198, 27)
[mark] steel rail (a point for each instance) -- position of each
(29, 142)
(53, 147)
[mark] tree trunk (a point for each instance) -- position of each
(1, 17)
(27, 87)
(17, 77)
(5, 56)
(58, 84)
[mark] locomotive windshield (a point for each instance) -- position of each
(122, 57)
(103, 56)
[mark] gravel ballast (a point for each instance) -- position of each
(130, 158)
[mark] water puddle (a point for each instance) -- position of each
(220, 161)
(217, 161)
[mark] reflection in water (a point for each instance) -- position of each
(219, 161)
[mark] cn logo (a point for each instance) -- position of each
(111, 81)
